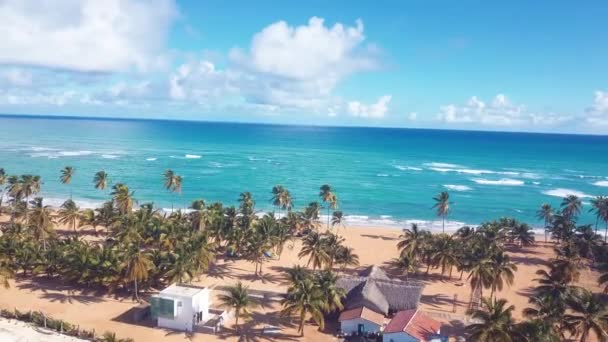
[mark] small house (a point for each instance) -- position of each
(412, 326)
(360, 320)
(180, 307)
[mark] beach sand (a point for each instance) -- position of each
(444, 299)
(15, 331)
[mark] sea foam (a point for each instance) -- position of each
(150, 159)
(456, 187)
(561, 192)
(407, 168)
(503, 181)
(601, 183)
(192, 156)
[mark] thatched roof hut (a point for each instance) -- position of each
(372, 288)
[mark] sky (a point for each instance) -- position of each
(520, 65)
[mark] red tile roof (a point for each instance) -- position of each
(414, 323)
(362, 312)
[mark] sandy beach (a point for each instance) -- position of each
(444, 299)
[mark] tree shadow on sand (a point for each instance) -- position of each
(440, 301)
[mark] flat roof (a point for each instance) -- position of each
(181, 290)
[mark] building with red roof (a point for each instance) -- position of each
(412, 326)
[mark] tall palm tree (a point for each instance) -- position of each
(442, 205)
(281, 198)
(599, 206)
(337, 219)
(3, 178)
(69, 214)
(304, 298)
(495, 322)
(503, 272)
(41, 220)
(172, 182)
(545, 213)
(406, 264)
(480, 277)
(329, 198)
(137, 265)
(571, 206)
(101, 180)
(66, 176)
(237, 298)
(445, 253)
(123, 198)
(587, 313)
(313, 247)
(522, 233)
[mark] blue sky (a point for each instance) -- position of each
(517, 65)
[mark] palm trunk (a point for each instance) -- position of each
(301, 327)
(135, 289)
(328, 218)
(237, 313)
(443, 224)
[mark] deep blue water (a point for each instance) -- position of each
(382, 176)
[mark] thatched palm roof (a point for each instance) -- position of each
(375, 290)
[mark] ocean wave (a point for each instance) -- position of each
(381, 175)
(503, 181)
(455, 187)
(536, 183)
(252, 158)
(442, 165)
(192, 156)
(407, 168)
(561, 192)
(150, 159)
(601, 183)
(109, 156)
(74, 153)
(57, 154)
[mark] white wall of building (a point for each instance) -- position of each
(398, 337)
(352, 326)
(185, 308)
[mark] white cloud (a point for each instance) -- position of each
(85, 35)
(597, 114)
(15, 77)
(412, 116)
(373, 111)
(499, 112)
(306, 52)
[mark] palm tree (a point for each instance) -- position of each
(503, 272)
(480, 276)
(545, 213)
(445, 253)
(100, 180)
(41, 220)
(111, 337)
(3, 178)
(522, 233)
(237, 298)
(345, 257)
(412, 241)
(331, 293)
(495, 322)
(406, 264)
(442, 204)
(329, 197)
(137, 266)
(337, 219)
(69, 214)
(173, 183)
(587, 313)
(313, 247)
(123, 198)
(599, 206)
(304, 298)
(281, 198)
(6, 273)
(571, 206)
(66, 176)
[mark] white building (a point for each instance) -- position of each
(181, 307)
(360, 320)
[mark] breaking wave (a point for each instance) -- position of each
(503, 181)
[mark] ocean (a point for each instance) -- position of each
(382, 176)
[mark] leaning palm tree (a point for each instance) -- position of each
(545, 213)
(442, 204)
(571, 206)
(587, 313)
(281, 198)
(313, 247)
(330, 198)
(172, 182)
(332, 294)
(304, 298)
(522, 233)
(503, 272)
(346, 256)
(66, 176)
(237, 298)
(495, 322)
(599, 206)
(69, 214)
(480, 277)
(337, 219)
(100, 180)
(137, 266)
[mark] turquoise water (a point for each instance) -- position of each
(382, 176)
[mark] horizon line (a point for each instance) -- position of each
(117, 118)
